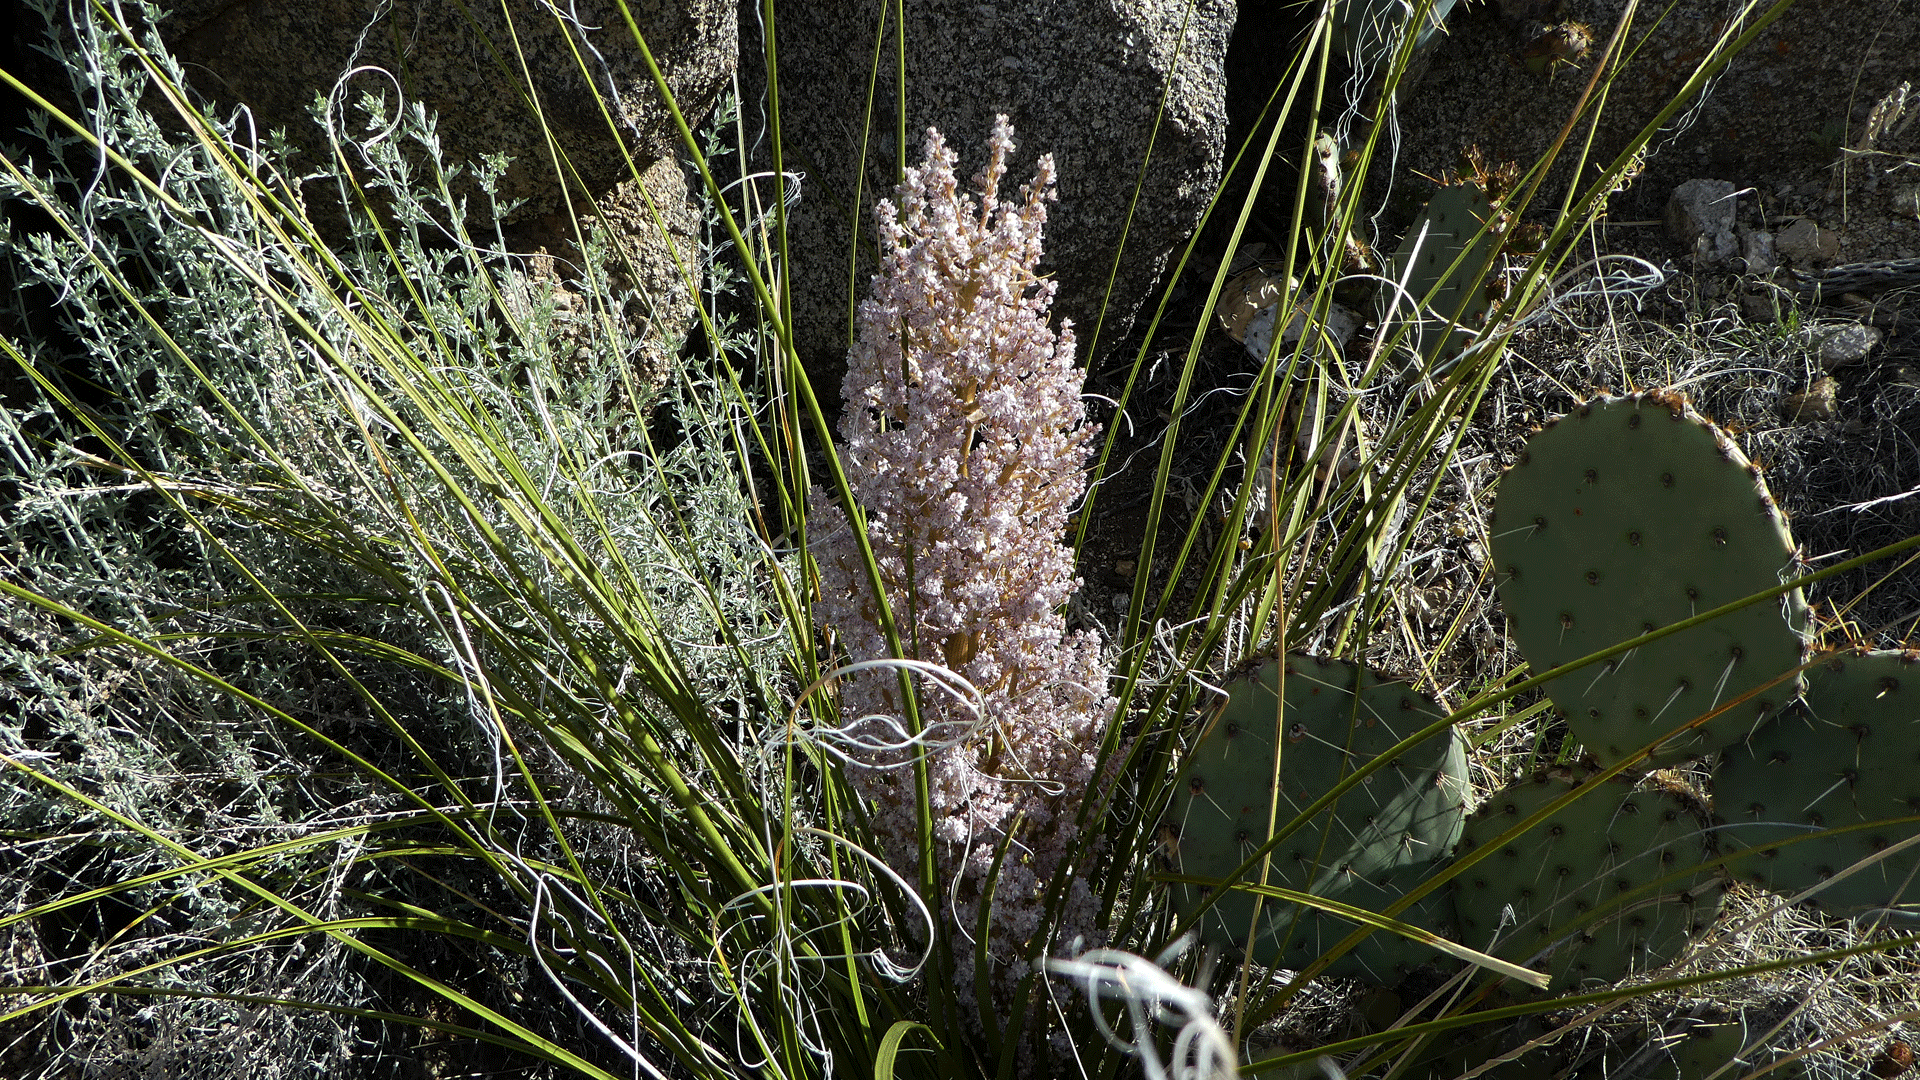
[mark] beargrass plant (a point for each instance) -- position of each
(384, 689)
(965, 436)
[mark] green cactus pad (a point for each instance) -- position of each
(1455, 221)
(1383, 957)
(1704, 1047)
(1695, 1048)
(1466, 1051)
(1848, 755)
(1582, 881)
(1626, 515)
(1383, 836)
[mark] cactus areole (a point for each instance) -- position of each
(1627, 515)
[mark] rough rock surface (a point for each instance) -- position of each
(1700, 215)
(1082, 81)
(457, 60)
(1808, 243)
(1847, 344)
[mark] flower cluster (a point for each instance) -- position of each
(965, 439)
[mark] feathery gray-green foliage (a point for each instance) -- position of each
(228, 451)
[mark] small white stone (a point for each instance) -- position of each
(1756, 247)
(1849, 344)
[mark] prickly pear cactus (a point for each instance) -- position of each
(1586, 882)
(1467, 1052)
(1383, 958)
(1430, 267)
(1846, 758)
(1383, 836)
(1626, 515)
(1697, 1047)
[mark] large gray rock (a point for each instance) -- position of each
(459, 60)
(1080, 79)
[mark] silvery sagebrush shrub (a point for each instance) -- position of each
(964, 438)
(306, 504)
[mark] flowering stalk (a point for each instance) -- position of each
(964, 439)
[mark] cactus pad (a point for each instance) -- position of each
(1381, 837)
(1704, 1047)
(1467, 1052)
(1697, 1047)
(1583, 880)
(1849, 755)
(1383, 957)
(1626, 515)
(1455, 221)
